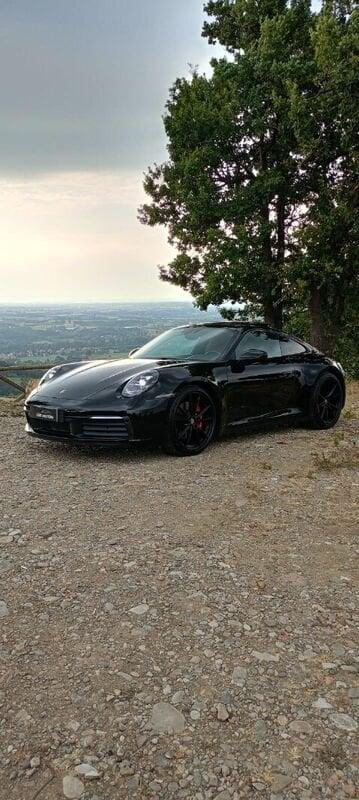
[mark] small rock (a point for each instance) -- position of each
(73, 725)
(126, 769)
(260, 729)
(300, 726)
(87, 771)
(166, 719)
(140, 609)
(280, 782)
(35, 762)
(321, 703)
(344, 722)
(23, 717)
(265, 656)
(4, 611)
(195, 715)
(354, 692)
(72, 787)
(239, 676)
(133, 784)
(222, 712)
(178, 697)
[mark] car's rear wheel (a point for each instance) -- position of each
(326, 401)
(191, 423)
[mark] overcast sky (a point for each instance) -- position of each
(83, 85)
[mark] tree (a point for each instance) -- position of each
(257, 192)
(326, 123)
(231, 190)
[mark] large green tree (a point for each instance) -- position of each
(239, 193)
(326, 120)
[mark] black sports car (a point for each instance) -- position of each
(186, 387)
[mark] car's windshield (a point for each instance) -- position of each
(200, 343)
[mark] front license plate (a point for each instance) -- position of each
(41, 412)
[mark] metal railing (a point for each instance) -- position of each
(21, 368)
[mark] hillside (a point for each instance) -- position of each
(213, 596)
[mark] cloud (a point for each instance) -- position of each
(84, 83)
(75, 236)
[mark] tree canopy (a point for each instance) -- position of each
(260, 192)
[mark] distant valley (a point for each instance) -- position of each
(31, 334)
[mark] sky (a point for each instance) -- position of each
(83, 85)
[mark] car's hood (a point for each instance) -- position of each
(85, 380)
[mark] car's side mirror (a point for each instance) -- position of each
(132, 352)
(253, 356)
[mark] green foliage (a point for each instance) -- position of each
(259, 194)
(326, 123)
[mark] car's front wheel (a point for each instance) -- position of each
(326, 401)
(191, 422)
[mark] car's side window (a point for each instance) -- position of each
(290, 347)
(259, 340)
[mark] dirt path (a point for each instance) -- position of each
(212, 596)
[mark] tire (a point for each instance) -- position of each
(326, 401)
(191, 424)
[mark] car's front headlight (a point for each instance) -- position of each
(49, 375)
(140, 383)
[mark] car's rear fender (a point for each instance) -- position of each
(312, 380)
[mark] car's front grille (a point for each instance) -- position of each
(82, 427)
(112, 429)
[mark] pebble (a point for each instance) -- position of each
(300, 726)
(344, 722)
(4, 611)
(239, 676)
(72, 787)
(87, 771)
(265, 656)
(178, 697)
(126, 769)
(321, 703)
(133, 784)
(280, 782)
(167, 719)
(222, 712)
(140, 609)
(260, 729)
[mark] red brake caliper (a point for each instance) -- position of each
(199, 420)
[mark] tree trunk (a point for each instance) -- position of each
(272, 295)
(273, 313)
(316, 326)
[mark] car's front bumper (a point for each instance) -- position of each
(98, 429)
(141, 422)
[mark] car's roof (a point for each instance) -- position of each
(245, 325)
(231, 323)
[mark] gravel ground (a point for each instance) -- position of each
(180, 628)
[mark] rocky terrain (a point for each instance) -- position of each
(180, 628)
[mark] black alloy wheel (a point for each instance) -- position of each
(326, 402)
(191, 424)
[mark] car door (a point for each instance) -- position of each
(260, 389)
